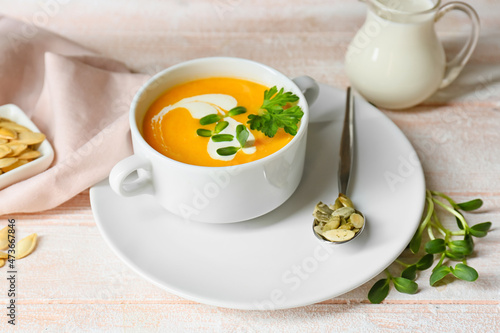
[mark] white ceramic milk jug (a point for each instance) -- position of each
(396, 61)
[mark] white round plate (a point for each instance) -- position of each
(275, 261)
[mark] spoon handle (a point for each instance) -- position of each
(346, 144)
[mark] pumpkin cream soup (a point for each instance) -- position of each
(205, 122)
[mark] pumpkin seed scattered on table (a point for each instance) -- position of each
(338, 222)
(25, 246)
(18, 145)
(4, 238)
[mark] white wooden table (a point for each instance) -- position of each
(73, 282)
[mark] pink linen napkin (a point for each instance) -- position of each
(77, 99)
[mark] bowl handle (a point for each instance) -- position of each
(308, 86)
(124, 169)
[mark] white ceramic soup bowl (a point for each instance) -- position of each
(214, 194)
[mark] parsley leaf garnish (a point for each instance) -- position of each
(276, 112)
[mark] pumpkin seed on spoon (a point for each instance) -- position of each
(337, 223)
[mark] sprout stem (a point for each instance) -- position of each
(402, 263)
(440, 260)
(444, 196)
(454, 212)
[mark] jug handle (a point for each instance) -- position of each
(454, 66)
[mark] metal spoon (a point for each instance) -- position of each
(345, 160)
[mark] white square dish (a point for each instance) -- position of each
(14, 113)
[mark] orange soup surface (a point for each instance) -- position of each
(171, 123)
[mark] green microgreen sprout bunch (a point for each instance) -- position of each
(444, 245)
(277, 111)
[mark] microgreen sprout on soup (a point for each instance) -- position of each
(221, 121)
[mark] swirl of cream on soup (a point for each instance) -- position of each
(204, 105)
